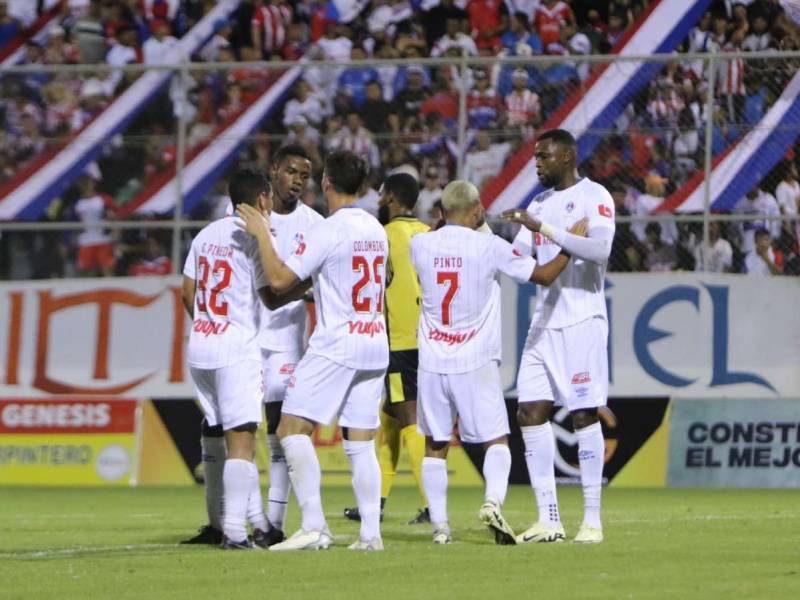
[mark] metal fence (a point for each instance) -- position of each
(674, 119)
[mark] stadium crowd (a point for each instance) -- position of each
(396, 117)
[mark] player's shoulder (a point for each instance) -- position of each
(594, 189)
(540, 199)
(309, 214)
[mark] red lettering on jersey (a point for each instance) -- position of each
(579, 378)
(208, 328)
(604, 210)
(370, 328)
(450, 338)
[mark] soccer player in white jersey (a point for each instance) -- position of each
(222, 284)
(564, 360)
(341, 374)
(282, 330)
(459, 349)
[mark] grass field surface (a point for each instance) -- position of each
(122, 543)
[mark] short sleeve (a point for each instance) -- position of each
(190, 266)
(600, 209)
(311, 250)
(512, 262)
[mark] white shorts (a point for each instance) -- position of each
(567, 366)
(321, 390)
(230, 396)
(475, 398)
(278, 367)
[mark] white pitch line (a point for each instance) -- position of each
(84, 550)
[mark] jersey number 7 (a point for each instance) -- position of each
(449, 278)
(360, 264)
(214, 304)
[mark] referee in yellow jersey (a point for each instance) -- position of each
(399, 415)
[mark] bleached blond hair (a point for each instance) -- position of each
(460, 195)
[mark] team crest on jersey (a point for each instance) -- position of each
(299, 244)
(570, 206)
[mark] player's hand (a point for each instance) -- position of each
(523, 217)
(255, 223)
(580, 228)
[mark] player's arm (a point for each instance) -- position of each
(187, 294)
(546, 274)
(273, 301)
(281, 278)
(596, 247)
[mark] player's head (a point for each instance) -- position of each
(398, 196)
(250, 187)
(461, 202)
(556, 156)
(290, 172)
(344, 174)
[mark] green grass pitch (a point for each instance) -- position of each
(103, 543)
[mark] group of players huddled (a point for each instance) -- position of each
(400, 309)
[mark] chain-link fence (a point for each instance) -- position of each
(116, 173)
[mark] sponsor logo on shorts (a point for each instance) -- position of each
(370, 328)
(287, 369)
(581, 392)
(580, 378)
(450, 338)
(208, 328)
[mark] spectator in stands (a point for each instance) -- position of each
(717, 257)
(153, 261)
(522, 105)
(302, 134)
(732, 76)
(306, 103)
(336, 45)
(10, 26)
(57, 51)
(157, 47)
(435, 19)
(686, 143)
(626, 251)
(355, 138)
(95, 251)
(616, 28)
(270, 23)
(487, 19)
(762, 204)
(378, 115)
(661, 256)
(353, 81)
(645, 204)
(410, 98)
(30, 142)
(454, 38)
(220, 40)
(787, 194)
(60, 107)
(755, 101)
(723, 132)
(124, 52)
(761, 260)
(484, 105)
(88, 34)
(486, 161)
(759, 38)
(429, 195)
(550, 16)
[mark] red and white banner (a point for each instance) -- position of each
(93, 337)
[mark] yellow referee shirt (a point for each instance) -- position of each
(403, 294)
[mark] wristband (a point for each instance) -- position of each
(547, 230)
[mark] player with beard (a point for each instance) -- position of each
(399, 415)
(565, 359)
(280, 337)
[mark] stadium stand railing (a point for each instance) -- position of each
(467, 117)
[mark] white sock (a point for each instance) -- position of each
(305, 475)
(540, 452)
(278, 495)
(496, 468)
(434, 480)
(214, 453)
(237, 481)
(366, 485)
(591, 450)
(255, 505)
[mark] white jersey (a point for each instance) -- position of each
(282, 330)
(578, 293)
(459, 327)
(224, 262)
(345, 255)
